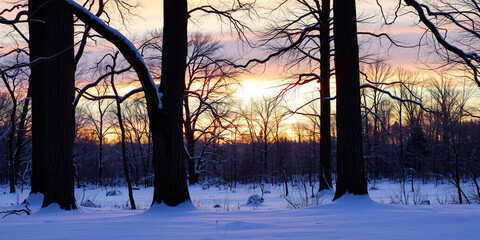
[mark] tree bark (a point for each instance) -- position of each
(167, 131)
(11, 136)
(22, 132)
(37, 73)
(124, 145)
(100, 147)
(350, 164)
(53, 122)
(325, 135)
(190, 140)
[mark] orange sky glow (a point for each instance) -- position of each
(263, 80)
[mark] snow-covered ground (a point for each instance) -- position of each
(223, 214)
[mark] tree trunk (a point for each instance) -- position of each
(11, 149)
(325, 138)
(189, 137)
(21, 132)
(37, 35)
(402, 161)
(53, 122)
(166, 116)
(11, 136)
(350, 164)
(167, 130)
(100, 147)
(124, 145)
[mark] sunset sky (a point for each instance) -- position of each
(149, 13)
(264, 79)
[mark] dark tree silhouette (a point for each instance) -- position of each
(166, 127)
(306, 33)
(350, 164)
(122, 134)
(325, 109)
(52, 82)
(165, 104)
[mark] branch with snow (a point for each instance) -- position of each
(376, 116)
(128, 50)
(391, 95)
(466, 57)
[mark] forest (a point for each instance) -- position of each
(304, 96)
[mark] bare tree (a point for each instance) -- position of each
(52, 84)
(136, 122)
(97, 118)
(450, 103)
(307, 35)
(267, 120)
(163, 103)
(350, 165)
(122, 132)
(209, 82)
(380, 73)
(13, 81)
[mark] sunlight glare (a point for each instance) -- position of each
(251, 89)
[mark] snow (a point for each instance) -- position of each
(350, 217)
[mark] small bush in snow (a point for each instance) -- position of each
(254, 200)
(425, 202)
(89, 203)
(205, 186)
(405, 197)
(218, 183)
(114, 193)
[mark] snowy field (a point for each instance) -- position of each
(223, 213)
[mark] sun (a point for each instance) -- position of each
(251, 89)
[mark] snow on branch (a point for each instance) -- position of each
(376, 116)
(16, 211)
(391, 83)
(466, 57)
(125, 46)
(367, 85)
